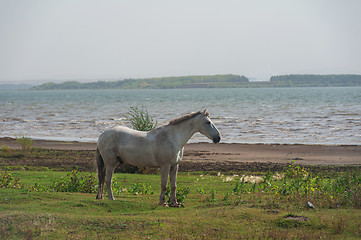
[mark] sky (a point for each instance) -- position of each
(89, 40)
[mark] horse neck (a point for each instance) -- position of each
(183, 131)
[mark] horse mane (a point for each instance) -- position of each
(185, 117)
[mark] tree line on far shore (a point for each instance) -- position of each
(316, 80)
(211, 81)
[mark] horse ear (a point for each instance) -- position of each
(205, 112)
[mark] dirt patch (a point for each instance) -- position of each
(296, 218)
(84, 160)
(197, 157)
(293, 221)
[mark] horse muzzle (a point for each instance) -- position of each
(217, 139)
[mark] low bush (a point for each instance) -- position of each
(8, 181)
(24, 142)
(76, 182)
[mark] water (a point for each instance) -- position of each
(268, 115)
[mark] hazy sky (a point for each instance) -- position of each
(87, 39)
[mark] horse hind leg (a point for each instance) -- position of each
(108, 181)
(109, 176)
(101, 174)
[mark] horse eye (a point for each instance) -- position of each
(208, 122)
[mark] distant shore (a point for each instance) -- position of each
(212, 81)
(236, 152)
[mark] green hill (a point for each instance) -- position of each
(211, 81)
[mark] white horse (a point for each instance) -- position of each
(162, 147)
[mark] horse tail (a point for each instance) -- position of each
(101, 173)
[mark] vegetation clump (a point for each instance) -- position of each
(140, 119)
(181, 194)
(8, 181)
(25, 143)
(297, 185)
(76, 182)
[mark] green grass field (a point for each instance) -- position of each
(216, 207)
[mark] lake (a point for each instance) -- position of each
(244, 115)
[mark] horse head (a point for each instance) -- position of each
(207, 128)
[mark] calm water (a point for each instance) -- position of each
(274, 115)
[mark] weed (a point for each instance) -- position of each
(212, 199)
(8, 181)
(226, 201)
(240, 187)
(201, 190)
(6, 149)
(38, 188)
(75, 182)
(141, 189)
(181, 194)
(268, 176)
(24, 142)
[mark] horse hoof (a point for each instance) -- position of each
(175, 205)
(163, 204)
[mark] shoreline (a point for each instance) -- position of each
(232, 153)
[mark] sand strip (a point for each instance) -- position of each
(263, 153)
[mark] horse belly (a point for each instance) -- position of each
(147, 156)
(141, 157)
(141, 161)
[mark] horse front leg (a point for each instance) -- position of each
(108, 180)
(164, 171)
(173, 186)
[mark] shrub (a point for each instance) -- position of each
(24, 142)
(140, 119)
(8, 181)
(212, 199)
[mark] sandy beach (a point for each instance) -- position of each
(233, 154)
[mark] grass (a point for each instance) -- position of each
(215, 207)
(37, 201)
